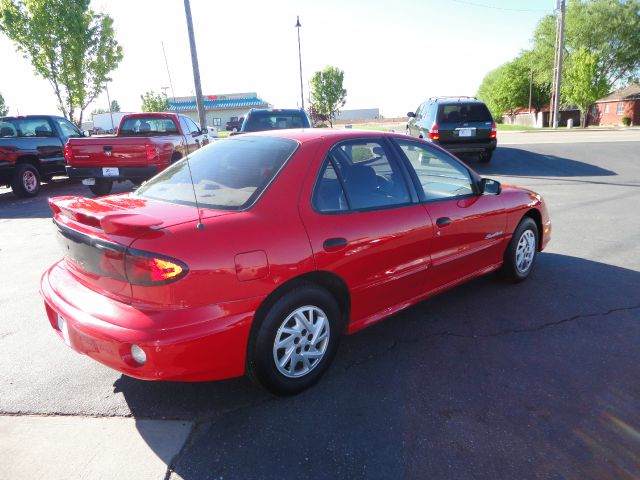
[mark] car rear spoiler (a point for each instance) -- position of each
(99, 215)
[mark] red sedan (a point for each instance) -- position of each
(260, 251)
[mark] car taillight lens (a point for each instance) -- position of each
(434, 134)
(68, 155)
(152, 151)
(149, 269)
(494, 132)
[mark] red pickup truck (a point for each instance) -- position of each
(145, 144)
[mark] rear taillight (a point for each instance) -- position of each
(147, 269)
(152, 152)
(494, 132)
(434, 134)
(68, 154)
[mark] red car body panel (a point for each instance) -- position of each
(197, 328)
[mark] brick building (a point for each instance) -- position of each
(621, 103)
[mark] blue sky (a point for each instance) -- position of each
(395, 54)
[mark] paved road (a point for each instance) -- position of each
(537, 380)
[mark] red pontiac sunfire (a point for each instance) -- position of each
(303, 235)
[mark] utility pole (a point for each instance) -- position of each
(557, 66)
(110, 112)
(196, 69)
(530, 87)
(173, 94)
(300, 59)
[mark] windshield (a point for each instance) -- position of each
(463, 112)
(147, 126)
(229, 174)
(260, 121)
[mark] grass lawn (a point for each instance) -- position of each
(514, 127)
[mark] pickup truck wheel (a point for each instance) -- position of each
(101, 187)
(26, 181)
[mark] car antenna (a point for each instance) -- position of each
(200, 225)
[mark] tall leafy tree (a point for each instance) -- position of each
(582, 84)
(115, 106)
(68, 44)
(327, 92)
(154, 102)
(4, 110)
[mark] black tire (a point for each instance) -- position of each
(101, 187)
(511, 270)
(486, 156)
(25, 181)
(261, 351)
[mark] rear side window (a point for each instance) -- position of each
(228, 175)
(463, 112)
(148, 126)
(359, 175)
(26, 127)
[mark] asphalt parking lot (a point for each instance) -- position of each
(487, 381)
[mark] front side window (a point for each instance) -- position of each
(191, 125)
(620, 109)
(440, 176)
(68, 129)
(370, 178)
(228, 175)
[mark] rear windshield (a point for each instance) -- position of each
(229, 174)
(26, 127)
(148, 126)
(260, 121)
(463, 112)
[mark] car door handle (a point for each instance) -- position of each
(443, 221)
(334, 244)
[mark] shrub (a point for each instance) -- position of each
(626, 121)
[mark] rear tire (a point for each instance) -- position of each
(486, 156)
(25, 182)
(293, 344)
(101, 187)
(520, 255)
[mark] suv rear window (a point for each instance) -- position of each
(463, 112)
(148, 126)
(260, 121)
(228, 175)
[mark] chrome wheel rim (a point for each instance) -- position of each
(29, 181)
(525, 251)
(301, 341)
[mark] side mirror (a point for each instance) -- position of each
(204, 131)
(490, 187)
(411, 114)
(86, 133)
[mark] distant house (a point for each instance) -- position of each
(219, 109)
(621, 103)
(539, 119)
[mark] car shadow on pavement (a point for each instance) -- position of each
(522, 163)
(533, 380)
(38, 207)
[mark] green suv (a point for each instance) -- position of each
(461, 125)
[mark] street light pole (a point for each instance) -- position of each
(300, 59)
(194, 63)
(110, 111)
(557, 72)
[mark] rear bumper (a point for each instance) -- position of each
(182, 344)
(469, 147)
(124, 173)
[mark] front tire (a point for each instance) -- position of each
(520, 256)
(294, 342)
(25, 181)
(101, 187)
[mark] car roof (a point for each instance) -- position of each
(277, 110)
(304, 135)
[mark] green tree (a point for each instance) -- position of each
(507, 88)
(115, 106)
(582, 84)
(327, 93)
(4, 110)
(154, 102)
(68, 44)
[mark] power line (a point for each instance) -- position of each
(493, 7)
